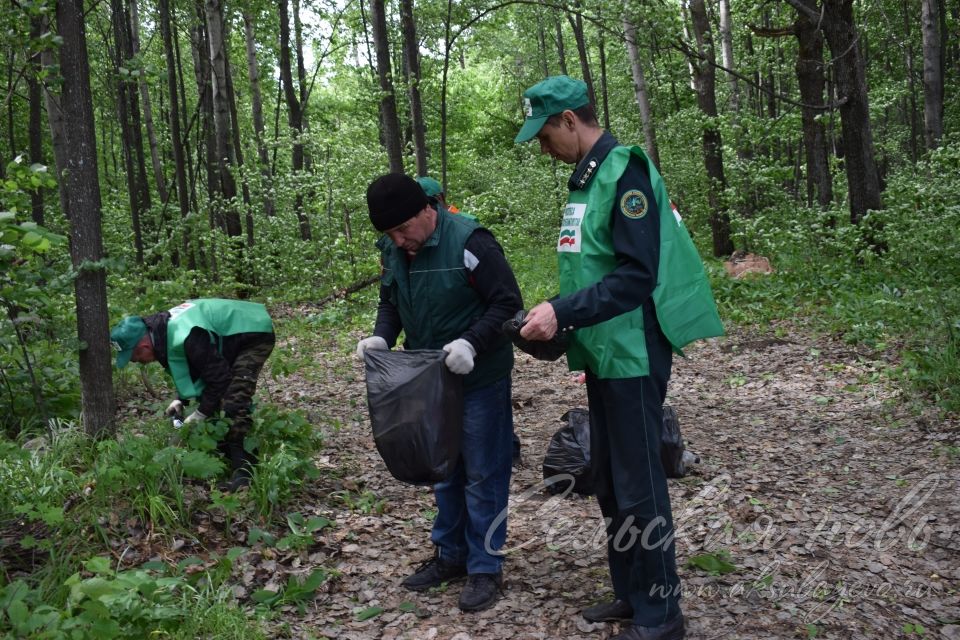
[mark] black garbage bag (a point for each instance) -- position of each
(550, 349)
(569, 454)
(569, 451)
(416, 411)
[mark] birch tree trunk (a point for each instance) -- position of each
(256, 107)
(640, 90)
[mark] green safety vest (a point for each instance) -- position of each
(434, 298)
(684, 302)
(222, 317)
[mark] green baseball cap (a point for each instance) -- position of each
(125, 337)
(430, 186)
(554, 95)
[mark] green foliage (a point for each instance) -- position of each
(37, 377)
(906, 297)
(715, 564)
(298, 591)
(138, 603)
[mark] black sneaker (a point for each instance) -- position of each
(609, 612)
(481, 591)
(673, 630)
(433, 573)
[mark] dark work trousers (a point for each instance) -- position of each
(238, 399)
(625, 433)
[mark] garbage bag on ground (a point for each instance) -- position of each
(416, 412)
(550, 349)
(569, 452)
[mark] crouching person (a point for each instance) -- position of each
(214, 350)
(447, 285)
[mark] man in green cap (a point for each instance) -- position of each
(434, 191)
(632, 291)
(214, 350)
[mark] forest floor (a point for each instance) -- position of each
(833, 498)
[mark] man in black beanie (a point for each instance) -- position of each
(447, 285)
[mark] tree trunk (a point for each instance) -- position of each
(561, 52)
(126, 104)
(811, 82)
(640, 90)
(910, 111)
(58, 134)
(604, 101)
(200, 49)
(932, 74)
(86, 243)
(542, 44)
(238, 147)
(35, 131)
(389, 123)
(302, 82)
(226, 156)
(726, 41)
(176, 138)
(576, 23)
(705, 80)
(863, 181)
(147, 107)
(256, 107)
(411, 52)
(294, 115)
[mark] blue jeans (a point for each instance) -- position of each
(474, 498)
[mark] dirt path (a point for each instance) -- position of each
(836, 504)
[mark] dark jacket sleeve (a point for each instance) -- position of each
(208, 365)
(388, 324)
(636, 245)
(492, 278)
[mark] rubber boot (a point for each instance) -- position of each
(241, 467)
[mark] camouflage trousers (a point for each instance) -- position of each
(238, 399)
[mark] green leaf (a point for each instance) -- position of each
(18, 613)
(197, 464)
(98, 564)
(407, 607)
(712, 563)
(264, 596)
(369, 612)
(235, 552)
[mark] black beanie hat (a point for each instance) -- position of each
(393, 199)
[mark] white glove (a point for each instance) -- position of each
(174, 409)
(460, 358)
(373, 342)
(196, 416)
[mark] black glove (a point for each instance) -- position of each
(550, 349)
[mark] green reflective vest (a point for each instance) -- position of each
(222, 317)
(434, 298)
(684, 302)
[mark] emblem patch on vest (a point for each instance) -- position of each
(634, 204)
(569, 240)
